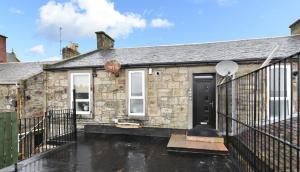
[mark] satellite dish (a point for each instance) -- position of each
(227, 68)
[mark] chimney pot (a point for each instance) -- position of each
(104, 41)
(3, 55)
(295, 28)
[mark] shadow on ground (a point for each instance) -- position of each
(120, 153)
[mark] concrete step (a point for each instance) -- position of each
(179, 143)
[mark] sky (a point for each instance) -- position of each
(32, 27)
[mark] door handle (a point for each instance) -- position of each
(212, 104)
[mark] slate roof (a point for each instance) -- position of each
(254, 49)
(10, 73)
(11, 57)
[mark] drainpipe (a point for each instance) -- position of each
(226, 120)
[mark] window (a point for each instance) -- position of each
(136, 92)
(81, 83)
(279, 91)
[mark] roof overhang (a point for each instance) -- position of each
(297, 21)
(8, 83)
(166, 64)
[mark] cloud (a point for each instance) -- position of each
(161, 23)
(15, 11)
(226, 2)
(53, 58)
(81, 18)
(38, 50)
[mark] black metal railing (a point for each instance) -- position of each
(259, 113)
(39, 134)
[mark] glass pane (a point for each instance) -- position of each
(82, 86)
(136, 84)
(136, 106)
(82, 106)
(277, 106)
(274, 90)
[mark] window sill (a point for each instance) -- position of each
(138, 117)
(84, 116)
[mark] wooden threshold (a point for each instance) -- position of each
(205, 139)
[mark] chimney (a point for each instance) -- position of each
(3, 57)
(104, 41)
(70, 51)
(295, 28)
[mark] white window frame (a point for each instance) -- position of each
(81, 100)
(287, 98)
(136, 97)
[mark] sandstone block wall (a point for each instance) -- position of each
(57, 87)
(30, 96)
(168, 95)
(7, 92)
(33, 96)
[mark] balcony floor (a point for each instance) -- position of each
(96, 152)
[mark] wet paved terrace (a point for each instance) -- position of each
(120, 153)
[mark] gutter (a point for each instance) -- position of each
(167, 64)
(8, 83)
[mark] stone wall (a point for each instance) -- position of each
(109, 96)
(57, 87)
(168, 95)
(295, 29)
(30, 97)
(7, 92)
(33, 96)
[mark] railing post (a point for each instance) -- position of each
(74, 114)
(45, 130)
(226, 104)
(255, 113)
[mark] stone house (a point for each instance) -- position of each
(160, 86)
(22, 88)
(21, 84)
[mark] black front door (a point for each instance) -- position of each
(204, 99)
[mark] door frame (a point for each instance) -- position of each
(213, 116)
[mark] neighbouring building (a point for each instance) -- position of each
(21, 84)
(22, 88)
(6, 56)
(159, 86)
(3, 56)
(12, 57)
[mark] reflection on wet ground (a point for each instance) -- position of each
(120, 153)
